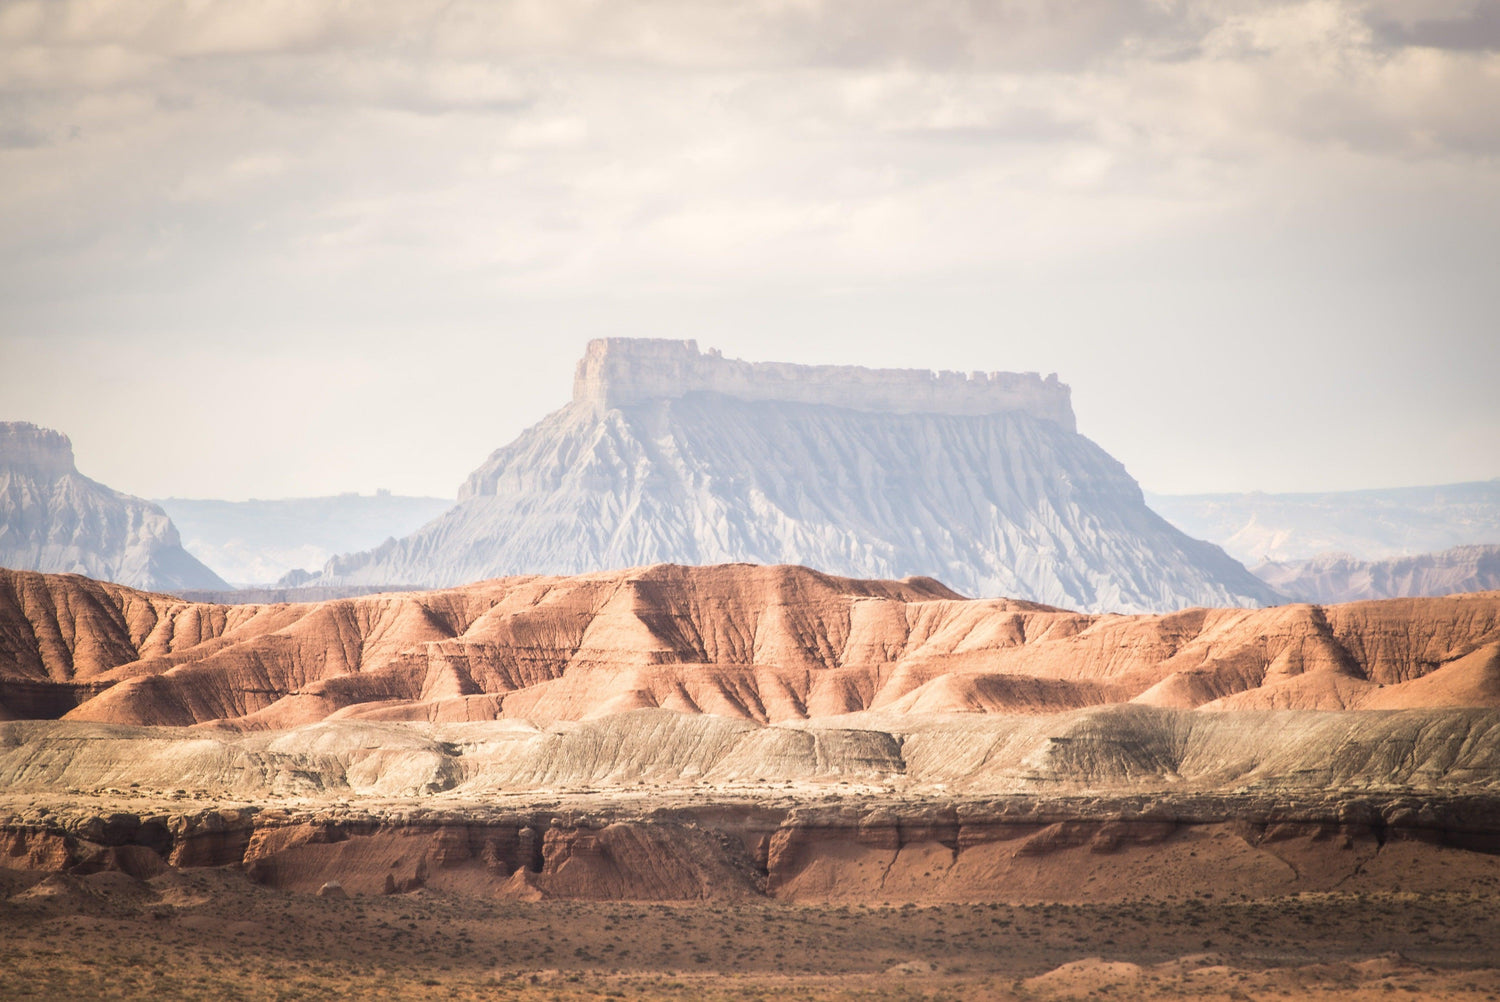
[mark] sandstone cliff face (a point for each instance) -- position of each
(616, 372)
(758, 643)
(666, 455)
(1338, 577)
(1076, 850)
(52, 518)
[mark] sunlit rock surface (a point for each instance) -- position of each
(763, 644)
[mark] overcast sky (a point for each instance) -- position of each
(259, 248)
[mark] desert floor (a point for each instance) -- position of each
(212, 934)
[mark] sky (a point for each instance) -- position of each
(274, 248)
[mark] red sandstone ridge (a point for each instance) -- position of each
(762, 643)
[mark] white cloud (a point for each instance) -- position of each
(182, 165)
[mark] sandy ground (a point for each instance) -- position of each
(212, 934)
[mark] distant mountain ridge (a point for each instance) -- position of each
(258, 541)
(54, 519)
(667, 454)
(1338, 577)
(1369, 524)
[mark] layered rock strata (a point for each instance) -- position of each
(1011, 850)
(655, 753)
(1102, 804)
(654, 805)
(618, 372)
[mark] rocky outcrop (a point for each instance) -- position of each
(1339, 577)
(669, 455)
(52, 518)
(1009, 850)
(762, 644)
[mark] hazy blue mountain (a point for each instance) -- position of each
(256, 542)
(1368, 524)
(1338, 577)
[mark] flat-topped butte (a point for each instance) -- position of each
(616, 372)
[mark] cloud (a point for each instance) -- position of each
(1463, 25)
(240, 170)
(953, 35)
(549, 142)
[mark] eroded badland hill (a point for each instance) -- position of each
(743, 782)
(767, 644)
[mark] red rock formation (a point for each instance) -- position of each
(761, 643)
(1017, 850)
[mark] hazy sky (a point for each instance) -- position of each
(284, 248)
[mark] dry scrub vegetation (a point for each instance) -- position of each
(214, 935)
